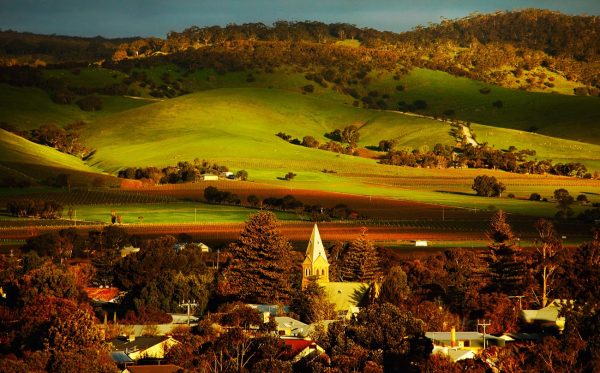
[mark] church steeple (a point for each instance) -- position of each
(315, 265)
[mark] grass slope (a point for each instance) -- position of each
(27, 108)
(21, 159)
(570, 117)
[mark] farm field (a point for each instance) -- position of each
(232, 121)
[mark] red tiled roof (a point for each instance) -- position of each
(298, 345)
(169, 368)
(102, 294)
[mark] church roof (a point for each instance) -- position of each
(345, 295)
(315, 246)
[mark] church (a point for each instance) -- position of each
(346, 296)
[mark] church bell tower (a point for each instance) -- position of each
(315, 265)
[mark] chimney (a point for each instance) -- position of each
(453, 337)
(131, 338)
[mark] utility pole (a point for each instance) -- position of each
(188, 304)
(483, 323)
(520, 297)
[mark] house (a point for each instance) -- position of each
(287, 326)
(145, 347)
(547, 317)
(128, 250)
(346, 296)
(167, 368)
(463, 340)
(199, 245)
(300, 348)
(454, 354)
(209, 177)
(270, 309)
(421, 243)
(104, 294)
(228, 175)
(121, 358)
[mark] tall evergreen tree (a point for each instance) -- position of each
(506, 262)
(394, 288)
(260, 266)
(361, 262)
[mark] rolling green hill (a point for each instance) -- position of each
(24, 160)
(238, 125)
(27, 108)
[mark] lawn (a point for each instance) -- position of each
(184, 212)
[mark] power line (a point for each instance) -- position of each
(483, 323)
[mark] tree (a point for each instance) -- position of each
(506, 263)
(549, 246)
(310, 142)
(49, 280)
(394, 289)
(260, 262)
(241, 175)
(488, 186)
(393, 337)
(253, 200)
(311, 304)
(360, 261)
(565, 200)
(350, 135)
(289, 176)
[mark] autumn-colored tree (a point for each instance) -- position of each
(260, 262)
(394, 288)
(361, 261)
(506, 264)
(311, 304)
(394, 338)
(548, 250)
(49, 280)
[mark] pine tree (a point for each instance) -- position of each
(361, 262)
(506, 263)
(260, 266)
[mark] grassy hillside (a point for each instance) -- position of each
(27, 108)
(235, 125)
(570, 117)
(24, 160)
(231, 124)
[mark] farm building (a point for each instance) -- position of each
(208, 177)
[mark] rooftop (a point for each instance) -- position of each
(139, 343)
(345, 295)
(168, 368)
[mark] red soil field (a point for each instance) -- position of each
(370, 207)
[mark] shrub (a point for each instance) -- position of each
(488, 186)
(309, 88)
(90, 103)
(535, 197)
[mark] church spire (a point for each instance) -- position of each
(315, 246)
(315, 265)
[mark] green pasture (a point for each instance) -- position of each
(240, 124)
(91, 77)
(15, 149)
(26, 108)
(184, 212)
(557, 115)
